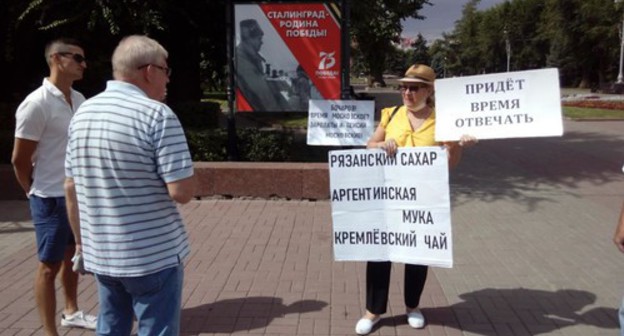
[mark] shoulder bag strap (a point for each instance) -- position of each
(392, 114)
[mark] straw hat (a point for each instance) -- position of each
(419, 73)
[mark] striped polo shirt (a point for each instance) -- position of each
(123, 148)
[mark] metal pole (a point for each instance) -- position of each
(507, 48)
(621, 31)
(346, 49)
(232, 142)
(620, 77)
(508, 54)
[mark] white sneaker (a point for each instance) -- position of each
(79, 320)
(364, 325)
(416, 319)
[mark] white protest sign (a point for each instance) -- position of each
(340, 122)
(391, 208)
(497, 106)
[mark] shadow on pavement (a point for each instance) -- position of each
(492, 312)
(519, 311)
(15, 228)
(514, 169)
(15, 217)
(232, 315)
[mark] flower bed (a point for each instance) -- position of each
(595, 103)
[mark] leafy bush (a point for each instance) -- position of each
(258, 145)
(215, 95)
(197, 115)
(206, 141)
(253, 145)
(207, 145)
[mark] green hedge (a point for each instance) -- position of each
(211, 145)
(197, 115)
(253, 145)
(206, 141)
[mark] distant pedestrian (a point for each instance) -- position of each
(38, 156)
(127, 165)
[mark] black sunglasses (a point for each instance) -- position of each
(165, 69)
(411, 88)
(76, 57)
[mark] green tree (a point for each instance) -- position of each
(577, 36)
(528, 46)
(442, 56)
(397, 59)
(582, 35)
(401, 59)
(467, 46)
(493, 36)
(188, 28)
(419, 52)
(375, 24)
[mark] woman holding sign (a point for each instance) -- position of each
(409, 125)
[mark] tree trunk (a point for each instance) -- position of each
(376, 64)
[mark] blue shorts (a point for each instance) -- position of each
(52, 228)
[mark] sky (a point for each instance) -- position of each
(440, 18)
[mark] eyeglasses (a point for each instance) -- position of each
(165, 69)
(411, 88)
(76, 57)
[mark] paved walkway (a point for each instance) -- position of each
(533, 220)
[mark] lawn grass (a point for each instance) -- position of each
(282, 119)
(300, 120)
(222, 102)
(580, 113)
(296, 122)
(577, 113)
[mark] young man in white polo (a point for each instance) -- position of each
(42, 120)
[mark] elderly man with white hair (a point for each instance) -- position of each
(126, 167)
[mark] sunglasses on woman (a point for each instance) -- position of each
(411, 88)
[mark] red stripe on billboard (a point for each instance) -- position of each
(241, 103)
(313, 37)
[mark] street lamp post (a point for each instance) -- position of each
(508, 47)
(620, 77)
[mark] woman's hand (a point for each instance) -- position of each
(467, 140)
(390, 146)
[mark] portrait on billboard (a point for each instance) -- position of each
(285, 55)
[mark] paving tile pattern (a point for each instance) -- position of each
(532, 221)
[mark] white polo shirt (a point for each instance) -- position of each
(44, 117)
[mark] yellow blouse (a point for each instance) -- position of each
(401, 130)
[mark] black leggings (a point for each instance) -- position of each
(378, 285)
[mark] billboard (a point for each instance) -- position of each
(286, 54)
